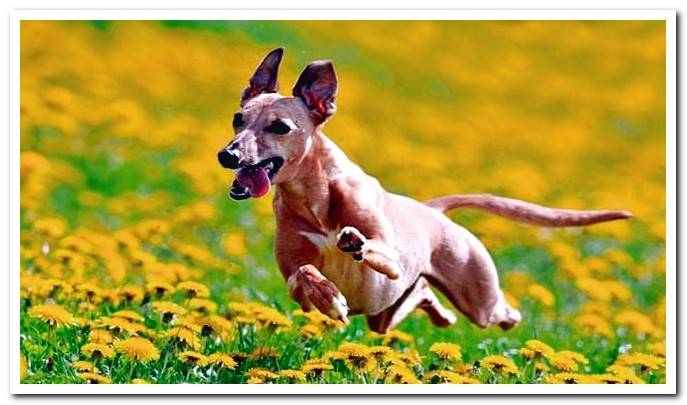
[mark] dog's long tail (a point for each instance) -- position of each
(526, 212)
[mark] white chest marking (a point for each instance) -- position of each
(321, 241)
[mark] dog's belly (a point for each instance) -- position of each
(366, 291)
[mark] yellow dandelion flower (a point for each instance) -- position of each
(97, 351)
(320, 320)
(541, 294)
(218, 326)
(598, 308)
(222, 360)
(381, 353)
(410, 358)
(448, 377)
(255, 380)
(159, 288)
(51, 227)
(132, 293)
(262, 374)
(139, 381)
(311, 331)
(141, 258)
(193, 289)
(234, 244)
(619, 291)
(636, 321)
(129, 315)
(93, 378)
(594, 324)
(203, 305)
(273, 319)
(110, 295)
(167, 309)
(628, 378)
(23, 368)
(447, 351)
(127, 240)
(527, 353)
(626, 375)
(84, 367)
(395, 335)
(618, 257)
(518, 282)
(121, 325)
(86, 307)
(658, 349)
(499, 364)
(192, 357)
(316, 367)
(265, 353)
(563, 363)
(643, 360)
(540, 348)
(292, 376)
(357, 357)
(52, 314)
(185, 336)
(138, 349)
(568, 378)
(399, 374)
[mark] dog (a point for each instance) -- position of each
(343, 244)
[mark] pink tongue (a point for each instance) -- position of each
(255, 180)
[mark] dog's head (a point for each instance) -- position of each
(273, 133)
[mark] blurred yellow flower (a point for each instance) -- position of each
(234, 244)
(541, 294)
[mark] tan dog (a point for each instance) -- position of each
(344, 244)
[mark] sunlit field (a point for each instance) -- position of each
(136, 267)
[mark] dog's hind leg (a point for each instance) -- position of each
(463, 270)
(421, 296)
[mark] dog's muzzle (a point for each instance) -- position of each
(255, 180)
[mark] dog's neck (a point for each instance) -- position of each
(308, 192)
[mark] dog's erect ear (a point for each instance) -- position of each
(264, 79)
(316, 87)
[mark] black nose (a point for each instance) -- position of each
(228, 158)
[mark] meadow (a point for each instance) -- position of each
(136, 267)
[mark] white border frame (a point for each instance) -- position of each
(669, 16)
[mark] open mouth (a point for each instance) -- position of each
(255, 180)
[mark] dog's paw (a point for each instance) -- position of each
(322, 293)
(350, 240)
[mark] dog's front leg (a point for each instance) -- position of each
(311, 289)
(373, 252)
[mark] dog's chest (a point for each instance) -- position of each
(365, 290)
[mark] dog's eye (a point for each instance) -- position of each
(237, 121)
(278, 127)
